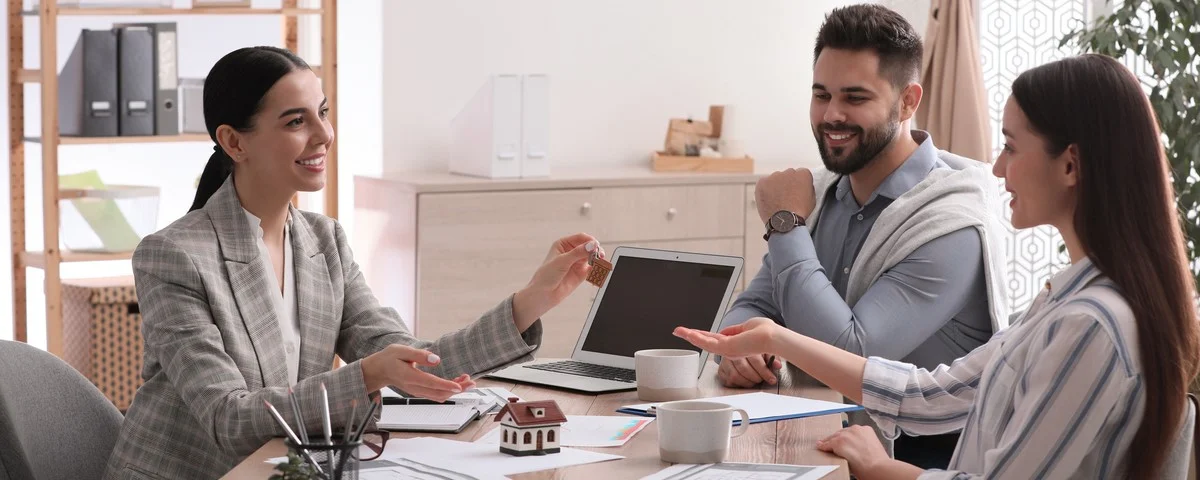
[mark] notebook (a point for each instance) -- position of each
(762, 407)
(427, 418)
(450, 417)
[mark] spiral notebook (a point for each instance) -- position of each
(450, 417)
(427, 418)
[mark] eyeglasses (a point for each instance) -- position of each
(374, 440)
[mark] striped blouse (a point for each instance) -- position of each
(1058, 394)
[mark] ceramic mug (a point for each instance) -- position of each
(697, 431)
(664, 375)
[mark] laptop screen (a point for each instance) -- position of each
(645, 300)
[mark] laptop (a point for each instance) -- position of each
(648, 293)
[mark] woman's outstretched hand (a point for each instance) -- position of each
(754, 337)
(565, 267)
(396, 365)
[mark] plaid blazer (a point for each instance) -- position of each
(213, 351)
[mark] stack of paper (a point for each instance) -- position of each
(449, 459)
(483, 460)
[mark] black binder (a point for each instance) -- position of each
(87, 87)
(166, 77)
(135, 77)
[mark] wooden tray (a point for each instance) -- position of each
(661, 162)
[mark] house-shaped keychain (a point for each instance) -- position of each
(530, 428)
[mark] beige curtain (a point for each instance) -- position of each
(954, 108)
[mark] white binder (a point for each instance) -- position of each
(504, 130)
(535, 126)
(486, 134)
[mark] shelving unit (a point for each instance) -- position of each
(49, 258)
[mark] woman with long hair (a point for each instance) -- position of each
(246, 299)
(1091, 381)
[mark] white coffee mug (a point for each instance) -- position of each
(666, 374)
(697, 431)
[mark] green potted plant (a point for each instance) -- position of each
(295, 468)
(1163, 37)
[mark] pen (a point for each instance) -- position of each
(771, 366)
(299, 420)
(350, 422)
(363, 426)
(325, 409)
(292, 435)
(414, 401)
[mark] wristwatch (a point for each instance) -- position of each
(782, 221)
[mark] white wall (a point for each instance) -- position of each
(174, 167)
(619, 70)
(916, 11)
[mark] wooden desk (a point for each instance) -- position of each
(789, 441)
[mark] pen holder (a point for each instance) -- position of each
(338, 461)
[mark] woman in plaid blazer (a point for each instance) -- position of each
(246, 297)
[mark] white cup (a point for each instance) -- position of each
(666, 374)
(697, 431)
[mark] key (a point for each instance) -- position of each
(600, 269)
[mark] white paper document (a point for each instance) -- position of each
(483, 460)
(763, 406)
(588, 431)
(742, 471)
(408, 469)
(490, 399)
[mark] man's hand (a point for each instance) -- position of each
(790, 190)
(748, 372)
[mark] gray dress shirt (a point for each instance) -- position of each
(929, 309)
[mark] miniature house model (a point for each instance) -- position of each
(530, 428)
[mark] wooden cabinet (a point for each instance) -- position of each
(756, 247)
(442, 248)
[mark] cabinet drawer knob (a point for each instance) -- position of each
(586, 208)
(671, 212)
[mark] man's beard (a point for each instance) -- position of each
(870, 144)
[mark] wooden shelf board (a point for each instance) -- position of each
(26, 75)
(38, 259)
(127, 11)
(35, 75)
(185, 137)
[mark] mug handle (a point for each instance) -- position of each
(740, 429)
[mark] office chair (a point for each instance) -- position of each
(1193, 453)
(53, 422)
(1185, 453)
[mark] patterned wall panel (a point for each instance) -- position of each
(1016, 35)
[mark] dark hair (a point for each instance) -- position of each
(1126, 220)
(879, 29)
(233, 94)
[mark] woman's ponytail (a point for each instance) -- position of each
(217, 169)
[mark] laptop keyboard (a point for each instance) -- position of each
(572, 367)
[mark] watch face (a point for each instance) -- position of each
(781, 221)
